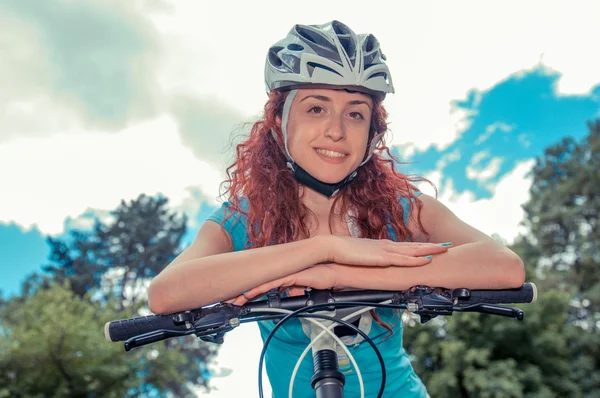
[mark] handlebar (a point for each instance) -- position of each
(212, 322)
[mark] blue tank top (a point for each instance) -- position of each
(290, 340)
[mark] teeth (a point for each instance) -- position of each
(331, 154)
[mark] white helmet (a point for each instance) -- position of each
(330, 54)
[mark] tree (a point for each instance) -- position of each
(478, 355)
(562, 215)
(555, 351)
(52, 345)
(101, 271)
(125, 253)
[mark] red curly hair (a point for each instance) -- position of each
(275, 212)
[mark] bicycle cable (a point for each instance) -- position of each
(334, 336)
(298, 314)
(320, 335)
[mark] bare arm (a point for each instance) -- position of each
(474, 261)
(208, 271)
(472, 266)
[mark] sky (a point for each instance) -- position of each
(104, 100)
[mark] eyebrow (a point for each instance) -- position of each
(327, 99)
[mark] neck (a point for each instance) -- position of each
(319, 204)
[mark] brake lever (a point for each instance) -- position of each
(510, 312)
(153, 337)
(217, 338)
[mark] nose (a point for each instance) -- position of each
(335, 129)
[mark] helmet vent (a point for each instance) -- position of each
(340, 29)
(313, 37)
(292, 62)
(273, 58)
(348, 44)
(295, 47)
(311, 67)
(370, 44)
(380, 74)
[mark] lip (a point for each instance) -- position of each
(330, 148)
(331, 160)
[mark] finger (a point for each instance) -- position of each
(417, 250)
(241, 300)
(257, 291)
(387, 259)
(400, 260)
(413, 244)
(262, 289)
(296, 291)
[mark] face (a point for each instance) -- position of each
(328, 132)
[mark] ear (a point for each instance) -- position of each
(278, 121)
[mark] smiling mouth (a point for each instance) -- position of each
(330, 154)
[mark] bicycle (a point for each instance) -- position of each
(211, 323)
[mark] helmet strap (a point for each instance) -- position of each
(321, 187)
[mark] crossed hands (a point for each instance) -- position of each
(345, 253)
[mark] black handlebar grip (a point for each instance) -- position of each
(126, 328)
(525, 294)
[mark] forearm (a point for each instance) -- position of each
(206, 280)
(478, 265)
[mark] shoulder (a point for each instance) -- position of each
(428, 212)
(227, 208)
(441, 224)
(233, 222)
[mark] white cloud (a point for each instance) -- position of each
(26, 74)
(206, 126)
(484, 173)
(524, 141)
(448, 158)
(237, 365)
(437, 53)
(491, 129)
(46, 180)
(500, 214)
(96, 69)
(478, 157)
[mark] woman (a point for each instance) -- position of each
(314, 200)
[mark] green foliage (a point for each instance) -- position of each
(555, 350)
(52, 342)
(53, 345)
(562, 215)
(474, 355)
(140, 240)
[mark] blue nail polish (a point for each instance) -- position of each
(429, 257)
(446, 244)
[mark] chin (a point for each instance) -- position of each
(328, 178)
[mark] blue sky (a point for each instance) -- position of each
(103, 101)
(512, 122)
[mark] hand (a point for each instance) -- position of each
(380, 252)
(320, 276)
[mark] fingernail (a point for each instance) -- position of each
(429, 257)
(446, 244)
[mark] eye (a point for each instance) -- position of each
(356, 115)
(316, 110)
